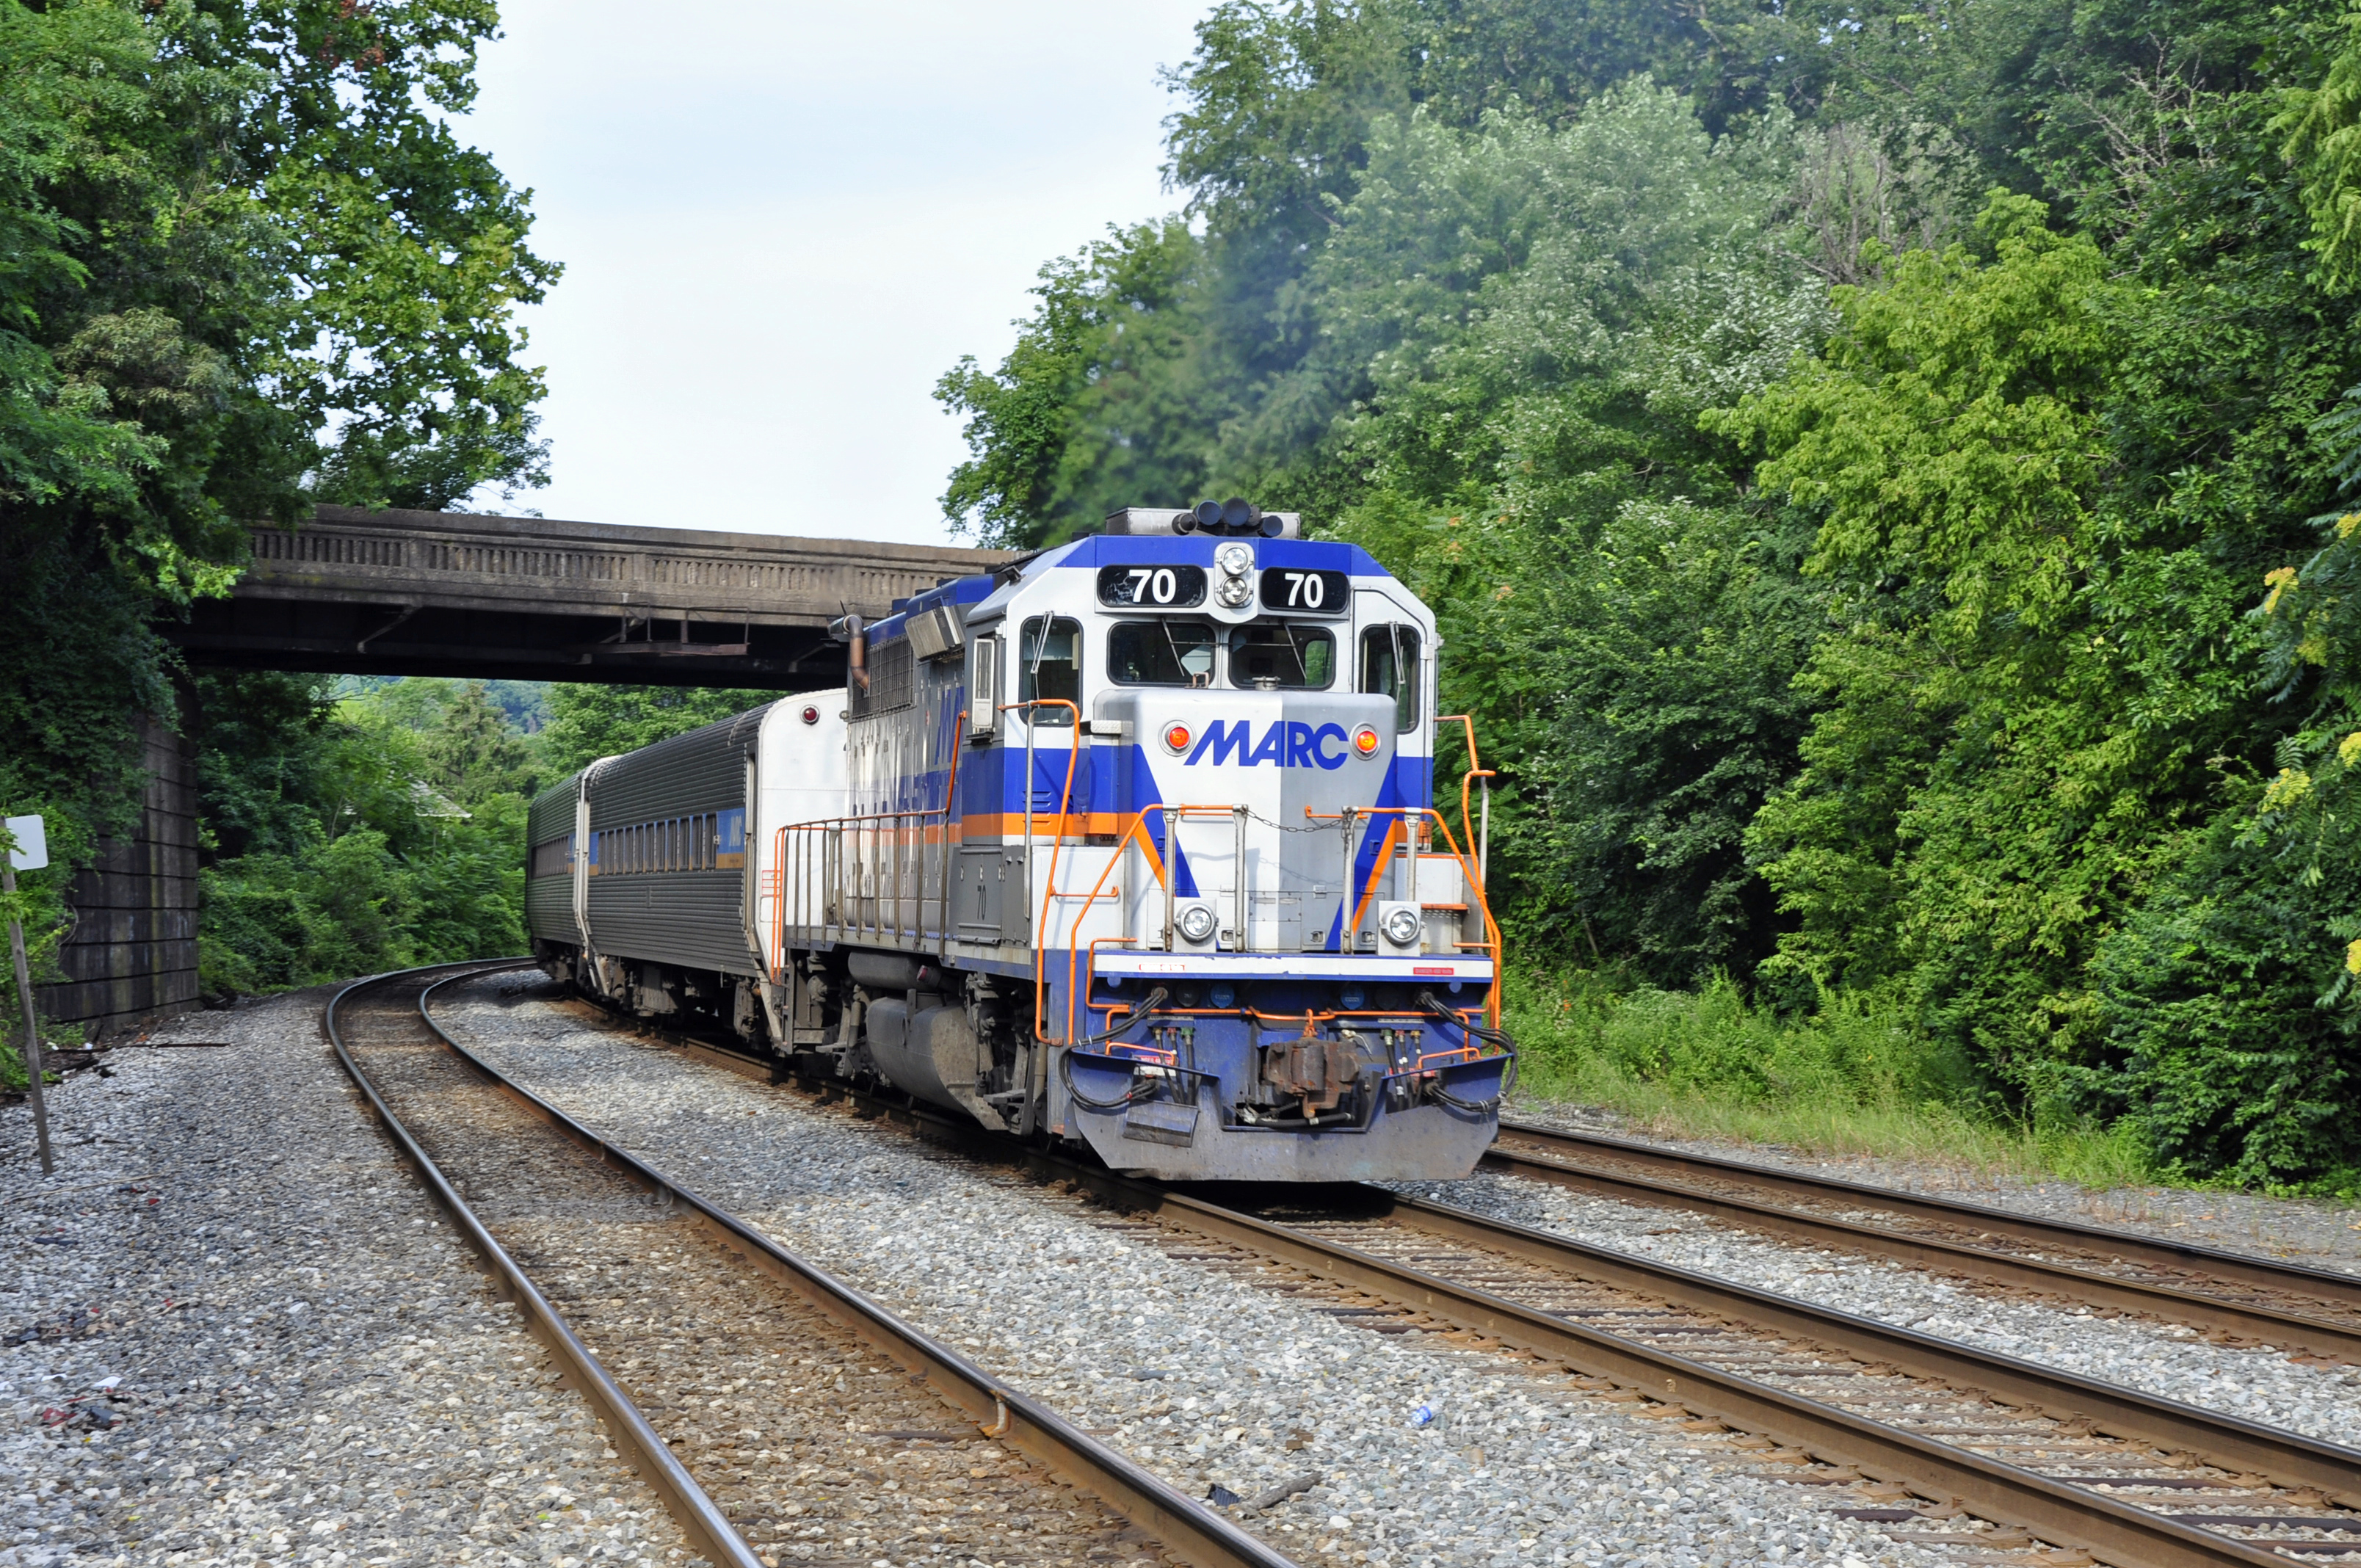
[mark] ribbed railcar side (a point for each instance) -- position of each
(692, 918)
(549, 869)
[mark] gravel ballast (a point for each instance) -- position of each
(2167, 1359)
(1205, 1380)
(2316, 1233)
(238, 1332)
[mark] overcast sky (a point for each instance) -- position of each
(780, 222)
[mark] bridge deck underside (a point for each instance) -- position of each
(411, 593)
(518, 642)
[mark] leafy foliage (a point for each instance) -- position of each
(591, 722)
(348, 835)
(1846, 449)
(244, 266)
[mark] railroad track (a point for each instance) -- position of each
(772, 1408)
(2231, 1296)
(1983, 1457)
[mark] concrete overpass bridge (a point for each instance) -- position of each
(418, 593)
(411, 593)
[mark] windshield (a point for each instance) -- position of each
(1160, 653)
(1281, 654)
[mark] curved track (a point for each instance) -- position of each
(1942, 1444)
(1945, 1445)
(763, 1399)
(2232, 1297)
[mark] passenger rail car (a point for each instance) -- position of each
(1131, 843)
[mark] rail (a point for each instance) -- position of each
(2296, 1472)
(1191, 1532)
(1964, 1238)
(2309, 1472)
(631, 1433)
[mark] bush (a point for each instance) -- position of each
(1858, 1078)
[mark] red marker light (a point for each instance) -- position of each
(1366, 741)
(810, 714)
(1177, 737)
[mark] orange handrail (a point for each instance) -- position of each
(1074, 930)
(1475, 769)
(1065, 809)
(1171, 812)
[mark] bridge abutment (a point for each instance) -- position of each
(130, 957)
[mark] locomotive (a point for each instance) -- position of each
(1129, 843)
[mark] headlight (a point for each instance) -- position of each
(1236, 560)
(1402, 927)
(1234, 592)
(1196, 923)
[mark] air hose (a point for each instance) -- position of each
(1500, 1039)
(1138, 1090)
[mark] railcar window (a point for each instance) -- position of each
(1280, 653)
(1160, 653)
(1389, 664)
(1050, 667)
(549, 858)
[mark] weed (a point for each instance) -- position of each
(1853, 1080)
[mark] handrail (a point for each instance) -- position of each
(1492, 942)
(1065, 809)
(1138, 827)
(1475, 769)
(1074, 929)
(1474, 874)
(837, 823)
(1172, 812)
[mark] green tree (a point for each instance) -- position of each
(347, 834)
(244, 266)
(588, 723)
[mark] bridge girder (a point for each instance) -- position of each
(411, 593)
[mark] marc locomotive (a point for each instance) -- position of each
(1130, 843)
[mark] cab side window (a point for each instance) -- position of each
(1050, 667)
(1389, 664)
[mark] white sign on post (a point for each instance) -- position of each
(30, 854)
(32, 851)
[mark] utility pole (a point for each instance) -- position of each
(28, 849)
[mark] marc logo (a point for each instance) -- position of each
(1283, 744)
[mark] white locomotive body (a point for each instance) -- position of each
(1131, 843)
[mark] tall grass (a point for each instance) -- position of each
(1855, 1079)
